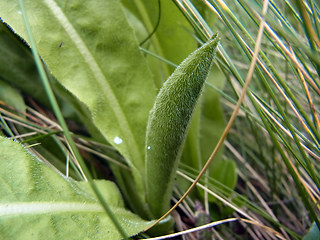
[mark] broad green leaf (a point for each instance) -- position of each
(173, 38)
(168, 123)
(17, 65)
(91, 49)
(17, 68)
(39, 203)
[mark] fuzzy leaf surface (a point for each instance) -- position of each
(168, 123)
(91, 49)
(38, 203)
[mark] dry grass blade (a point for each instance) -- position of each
(210, 225)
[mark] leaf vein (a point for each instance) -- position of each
(133, 150)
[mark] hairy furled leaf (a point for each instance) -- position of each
(38, 203)
(91, 49)
(168, 123)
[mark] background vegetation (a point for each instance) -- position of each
(263, 182)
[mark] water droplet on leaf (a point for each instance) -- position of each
(117, 140)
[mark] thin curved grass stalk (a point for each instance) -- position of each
(200, 228)
(168, 123)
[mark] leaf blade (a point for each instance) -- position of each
(39, 203)
(91, 49)
(168, 123)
